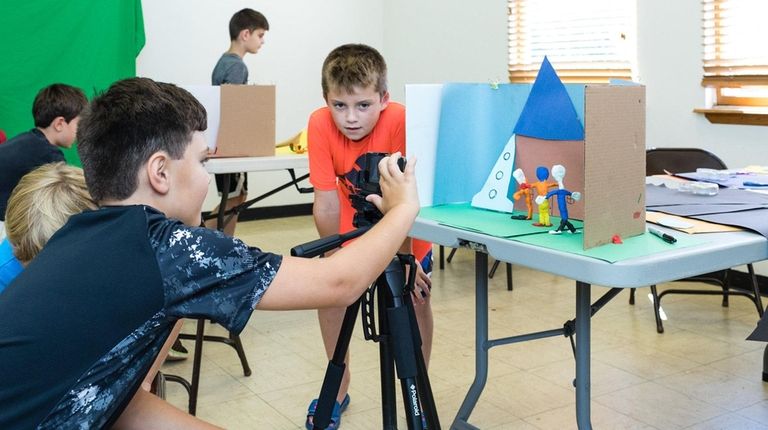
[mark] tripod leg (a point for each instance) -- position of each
(387, 365)
(335, 370)
(406, 348)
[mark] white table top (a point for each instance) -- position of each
(256, 164)
(726, 250)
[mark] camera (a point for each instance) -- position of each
(364, 181)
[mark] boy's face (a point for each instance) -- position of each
(189, 182)
(356, 113)
(254, 39)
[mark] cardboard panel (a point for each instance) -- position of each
(614, 163)
(532, 153)
(247, 127)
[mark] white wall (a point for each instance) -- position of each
(670, 65)
(185, 38)
(429, 41)
(434, 41)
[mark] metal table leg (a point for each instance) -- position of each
(583, 320)
(481, 344)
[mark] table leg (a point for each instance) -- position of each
(583, 320)
(481, 344)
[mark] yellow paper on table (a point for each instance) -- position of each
(696, 226)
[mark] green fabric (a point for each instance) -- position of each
(465, 217)
(85, 43)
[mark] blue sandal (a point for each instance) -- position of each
(338, 409)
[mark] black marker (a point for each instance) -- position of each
(663, 236)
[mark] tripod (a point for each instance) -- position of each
(398, 337)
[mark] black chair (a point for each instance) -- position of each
(682, 160)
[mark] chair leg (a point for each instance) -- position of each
(656, 306)
(238, 345)
(493, 269)
(631, 296)
(196, 363)
(442, 257)
(509, 277)
(755, 289)
(450, 255)
(726, 289)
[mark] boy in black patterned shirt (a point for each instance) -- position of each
(113, 282)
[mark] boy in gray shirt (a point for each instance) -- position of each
(247, 28)
(246, 32)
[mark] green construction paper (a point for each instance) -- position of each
(632, 247)
(464, 216)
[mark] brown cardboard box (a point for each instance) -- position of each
(241, 119)
(247, 121)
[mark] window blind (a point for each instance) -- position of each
(735, 34)
(586, 40)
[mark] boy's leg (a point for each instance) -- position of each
(426, 327)
(423, 313)
(330, 325)
(147, 411)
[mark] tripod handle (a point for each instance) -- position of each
(324, 244)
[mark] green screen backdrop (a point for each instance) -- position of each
(85, 43)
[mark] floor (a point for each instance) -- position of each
(700, 374)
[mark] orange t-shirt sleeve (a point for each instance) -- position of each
(321, 173)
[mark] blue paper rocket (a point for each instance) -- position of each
(549, 112)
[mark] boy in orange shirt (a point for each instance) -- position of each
(358, 118)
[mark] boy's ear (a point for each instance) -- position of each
(157, 172)
(384, 100)
(58, 123)
(244, 34)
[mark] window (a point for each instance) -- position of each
(586, 40)
(735, 61)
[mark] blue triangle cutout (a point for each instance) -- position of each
(549, 112)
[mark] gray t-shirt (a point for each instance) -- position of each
(230, 70)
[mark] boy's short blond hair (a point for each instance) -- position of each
(41, 203)
(354, 66)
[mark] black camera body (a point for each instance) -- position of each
(364, 182)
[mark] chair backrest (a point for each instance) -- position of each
(680, 160)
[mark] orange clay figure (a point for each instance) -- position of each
(524, 190)
(542, 187)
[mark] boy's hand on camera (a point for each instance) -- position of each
(397, 188)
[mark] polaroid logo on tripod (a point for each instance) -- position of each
(414, 402)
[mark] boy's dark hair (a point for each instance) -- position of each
(246, 19)
(57, 100)
(128, 123)
(354, 65)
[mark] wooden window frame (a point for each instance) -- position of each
(721, 74)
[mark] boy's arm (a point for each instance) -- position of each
(339, 280)
(326, 210)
